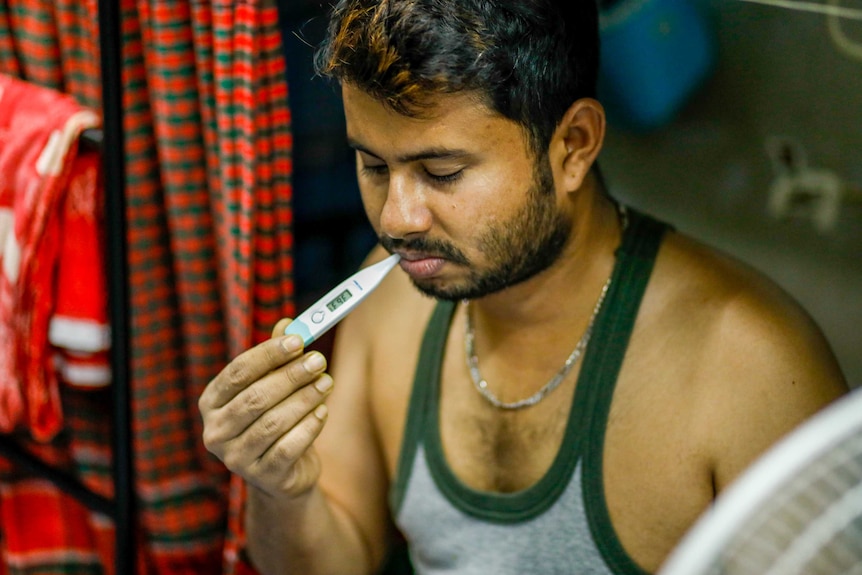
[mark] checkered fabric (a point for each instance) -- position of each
(208, 196)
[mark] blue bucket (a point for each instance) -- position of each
(655, 54)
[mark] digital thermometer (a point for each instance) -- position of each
(339, 301)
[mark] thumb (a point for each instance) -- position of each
(280, 326)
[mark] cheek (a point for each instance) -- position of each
(373, 202)
(493, 197)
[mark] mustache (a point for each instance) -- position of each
(433, 248)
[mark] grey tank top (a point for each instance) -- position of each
(560, 524)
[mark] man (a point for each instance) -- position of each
(582, 382)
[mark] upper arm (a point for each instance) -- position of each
(772, 369)
(353, 473)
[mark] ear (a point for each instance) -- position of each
(577, 142)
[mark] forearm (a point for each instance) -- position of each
(305, 535)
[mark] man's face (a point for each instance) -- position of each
(457, 194)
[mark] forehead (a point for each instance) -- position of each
(458, 120)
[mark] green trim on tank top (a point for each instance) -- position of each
(427, 370)
(635, 261)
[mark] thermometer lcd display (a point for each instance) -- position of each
(338, 300)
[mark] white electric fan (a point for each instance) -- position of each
(796, 511)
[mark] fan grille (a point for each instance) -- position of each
(812, 526)
(796, 511)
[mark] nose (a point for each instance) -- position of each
(405, 212)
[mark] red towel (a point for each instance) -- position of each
(39, 131)
(79, 327)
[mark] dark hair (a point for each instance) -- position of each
(528, 60)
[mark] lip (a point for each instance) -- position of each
(421, 266)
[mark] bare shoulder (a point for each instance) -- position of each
(721, 364)
(759, 364)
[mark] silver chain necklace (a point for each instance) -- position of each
(482, 386)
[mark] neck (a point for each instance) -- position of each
(539, 322)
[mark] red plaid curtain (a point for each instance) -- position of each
(208, 196)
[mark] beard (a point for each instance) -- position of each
(517, 249)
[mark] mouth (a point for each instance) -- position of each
(420, 265)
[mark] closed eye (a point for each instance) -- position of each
(445, 178)
(375, 170)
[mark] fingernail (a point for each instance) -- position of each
(292, 343)
(321, 412)
(323, 384)
(314, 362)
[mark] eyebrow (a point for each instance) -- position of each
(427, 154)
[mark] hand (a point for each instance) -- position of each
(262, 413)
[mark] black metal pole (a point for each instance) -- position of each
(114, 160)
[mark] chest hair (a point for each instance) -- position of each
(497, 450)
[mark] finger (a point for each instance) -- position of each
(271, 390)
(276, 423)
(280, 326)
(290, 450)
(247, 368)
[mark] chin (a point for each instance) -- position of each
(443, 291)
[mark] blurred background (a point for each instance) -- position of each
(741, 124)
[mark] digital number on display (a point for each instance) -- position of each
(338, 300)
